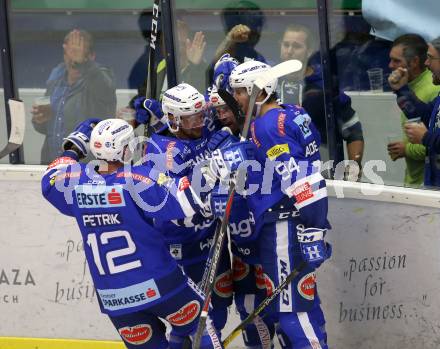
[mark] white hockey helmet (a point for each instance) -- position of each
(214, 98)
(110, 139)
(181, 100)
(246, 73)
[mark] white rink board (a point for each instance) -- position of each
(46, 292)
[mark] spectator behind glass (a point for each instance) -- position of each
(409, 52)
(305, 88)
(192, 67)
(79, 88)
(243, 22)
(428, 131)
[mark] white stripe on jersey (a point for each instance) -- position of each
(249, 303)
(312, 179)
(317, 195)
(283, 264)
(184, 203)
(307, 327)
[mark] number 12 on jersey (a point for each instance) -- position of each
(110, 256)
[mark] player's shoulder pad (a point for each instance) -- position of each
(296, 122)
(173, 149)
(135, 174)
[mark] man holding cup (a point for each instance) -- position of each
(77, 89)
(408, 54)
(427, 132)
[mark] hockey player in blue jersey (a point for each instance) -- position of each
(248, 277)
(290, 210)
(136, 279)
(175, 151)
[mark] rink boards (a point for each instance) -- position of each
(379, 290)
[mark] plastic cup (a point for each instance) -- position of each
(375, 75)
(413, 120)
(393, 138)
(42, 104)
(45, 100)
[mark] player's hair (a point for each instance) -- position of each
(436, 44)
(88, 39)
(310, 39)
(413, 46)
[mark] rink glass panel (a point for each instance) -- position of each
(3, 131)
(37, 38)
(361, 41)
(37, 32)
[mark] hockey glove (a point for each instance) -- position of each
(227, 160)
(313, 247)
(221, 139)
(80, 137)
(219, 198)
(146, 109)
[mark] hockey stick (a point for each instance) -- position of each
(16, 108)
(152, 73)
(278, 71)
(264, 303)
(231, 103)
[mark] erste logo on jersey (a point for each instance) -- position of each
(277, 150)
(89, 196)
(137, 335)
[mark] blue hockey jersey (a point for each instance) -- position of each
(130, 265)
(287, 149)
(174, 158)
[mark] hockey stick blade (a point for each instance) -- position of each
(264, 303)
(17, 112)
(284, 68)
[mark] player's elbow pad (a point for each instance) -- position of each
(351, 130)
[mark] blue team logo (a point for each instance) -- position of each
(89, 196)
(303, 122)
